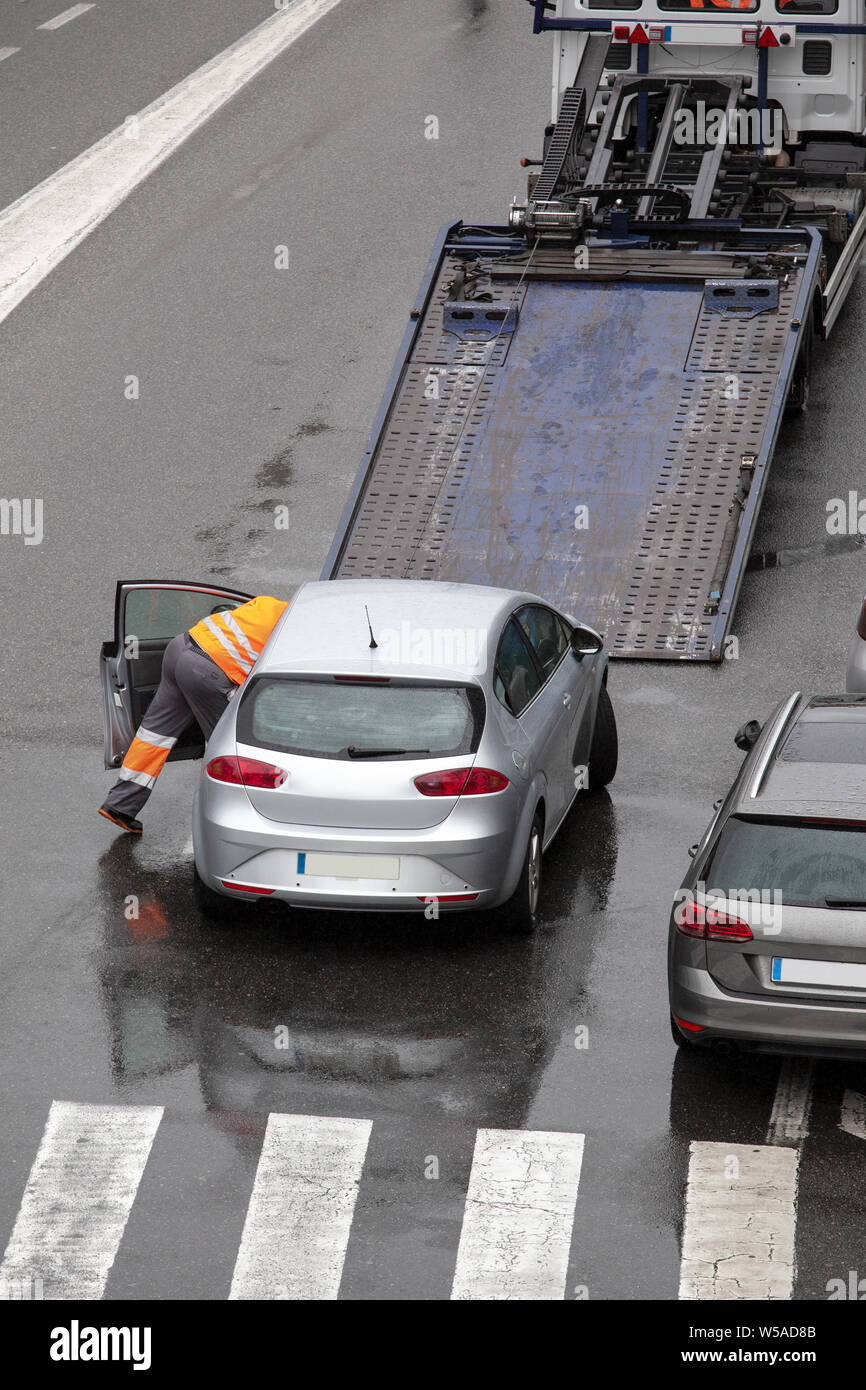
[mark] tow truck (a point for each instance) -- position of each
(588, 397)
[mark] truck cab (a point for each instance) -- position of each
(802, 53)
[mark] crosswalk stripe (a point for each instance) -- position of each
(740, 1222)
(519, 1215)
(78, 1199)
(297, 1228)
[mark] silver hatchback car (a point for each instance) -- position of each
(767, 938)
(404, 745)
(399, 744)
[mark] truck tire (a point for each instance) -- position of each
(520, 913)
(604, 752)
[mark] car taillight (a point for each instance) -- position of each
(461, 781)
(861, 622)
(693, 919)
(246, 772)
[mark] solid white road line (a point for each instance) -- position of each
(64, 18)
(740, 1222)
(853, 1119)
(78, 1198)
(789, 1118)
(294, 1239)
(7, 52)
(519, 1215)
(44, 225)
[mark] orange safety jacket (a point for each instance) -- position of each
(236, 639)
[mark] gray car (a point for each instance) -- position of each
(399, 744)
(767, 938)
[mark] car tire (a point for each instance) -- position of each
(604, 753)
(213, 906)
(521, 910)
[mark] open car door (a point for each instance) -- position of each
(147, 614)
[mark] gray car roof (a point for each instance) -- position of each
(456, 625)
(793, 786)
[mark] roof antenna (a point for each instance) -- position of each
(373, 642)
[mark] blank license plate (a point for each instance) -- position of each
(325, 865)
(838, 973)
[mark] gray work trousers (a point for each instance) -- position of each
(192, 687)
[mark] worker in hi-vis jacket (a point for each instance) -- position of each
(200, 670)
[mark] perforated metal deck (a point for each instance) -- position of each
(606, 447)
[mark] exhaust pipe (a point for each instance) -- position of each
(723, 1047)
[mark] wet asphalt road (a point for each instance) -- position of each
(258, 386)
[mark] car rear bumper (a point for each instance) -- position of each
(437, 865)
(758, 1022)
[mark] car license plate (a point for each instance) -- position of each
(832, 973)
(324, 865)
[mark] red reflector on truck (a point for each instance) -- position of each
(693, 919)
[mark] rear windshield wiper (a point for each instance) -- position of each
(845, 902)
(384, 752)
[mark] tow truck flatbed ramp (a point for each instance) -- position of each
(600, 435)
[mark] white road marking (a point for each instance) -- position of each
(789, 1118)
(740, 1222)
(297, 1228)
(44, 225)
(853, 1119)
(64, 18)
(78, 1198)
(519, 1215)
(7, 52)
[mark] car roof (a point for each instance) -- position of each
(422, 628)
(817, 765)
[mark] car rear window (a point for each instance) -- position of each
(804, 862)
(326, 718)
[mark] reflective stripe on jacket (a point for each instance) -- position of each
(235, 640)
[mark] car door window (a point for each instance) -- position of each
(517, 676)
(158, 613)
(545, 633)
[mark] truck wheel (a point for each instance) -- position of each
(798, 393)
(521, 910)
(605, 745)
(213, 906)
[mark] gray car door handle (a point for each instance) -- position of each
(566, 699)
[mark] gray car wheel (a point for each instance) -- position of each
(521, 910)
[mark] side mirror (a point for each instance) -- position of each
(748, 736)
(585, 641)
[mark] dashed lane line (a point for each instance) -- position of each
(60, 19)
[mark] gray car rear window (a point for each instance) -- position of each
(805, 862)
(325, 718)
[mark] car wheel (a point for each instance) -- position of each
(521, 910)
(604, 752)
(214, 906)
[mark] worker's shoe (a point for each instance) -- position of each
(128, 823)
